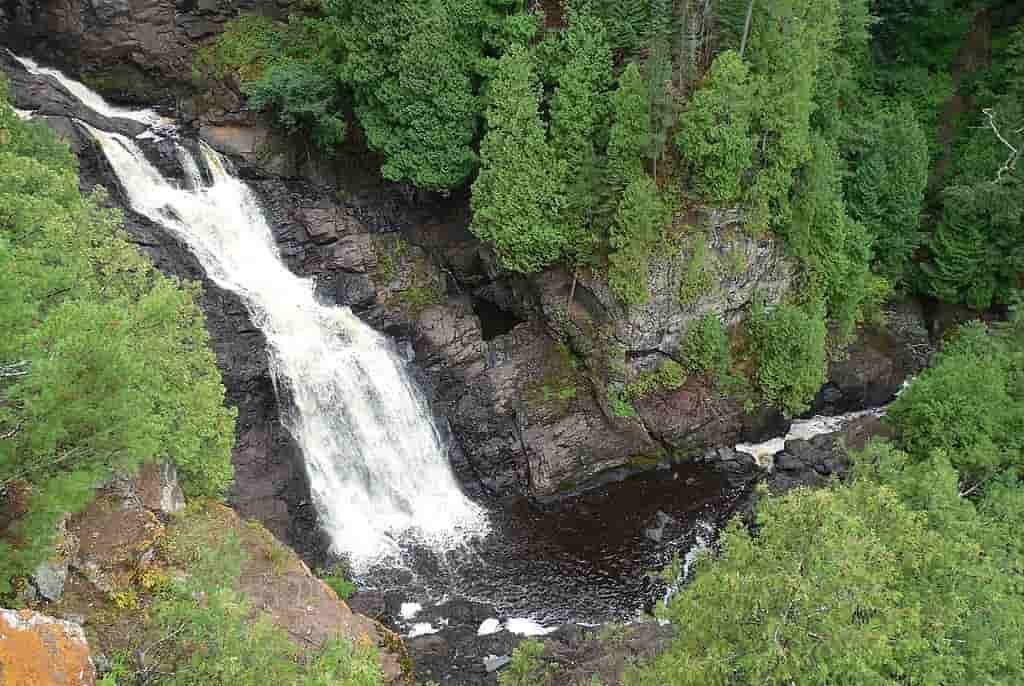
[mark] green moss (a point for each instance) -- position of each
(414, 299)
(558, 386)
(648, 460)
(669, 376)
(698, 277)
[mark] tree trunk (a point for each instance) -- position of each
(746, 27)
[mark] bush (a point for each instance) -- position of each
(970, 404)
(706, 348)
(300, 95)
(669, 376)
(73, 413)
(788, 346)
(527, 667)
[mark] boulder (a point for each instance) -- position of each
(37, 650)
(158, 488)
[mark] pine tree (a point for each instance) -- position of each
(639, 222)
(578, 110)
(659, 100)
(519, 194)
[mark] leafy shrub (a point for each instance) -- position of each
(706, 348)
(527, 667)
(788, 346)
(669, 376)
(300, 96)
(341, 585)
(969, 404)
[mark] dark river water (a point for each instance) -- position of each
(592, 558)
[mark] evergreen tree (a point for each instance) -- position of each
(578, 111)
(519, 194)
(639, 222)
(886, 188)
(74, 413)
(789, 40)
(659, 100)
(630, 131)
(714, 137)
(834, 249)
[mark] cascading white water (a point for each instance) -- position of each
(87, 97)
(376, 465)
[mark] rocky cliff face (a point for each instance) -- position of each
(138, 51)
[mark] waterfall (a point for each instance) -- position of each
(377, 468)
(87, 97)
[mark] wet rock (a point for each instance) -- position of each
(878, 362)
(47, 97)
(814, 463)
(354, 253)
(664, 527)
(739, 469)
(42, 651)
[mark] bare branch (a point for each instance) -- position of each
(1011, 162)
(14, 370)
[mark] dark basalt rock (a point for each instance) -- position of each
(46, 96)
(814, 463)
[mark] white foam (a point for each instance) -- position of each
(489, 626)
(410, 610)
(528, 627)
(805, 429)
(24, 114)
(422, 629)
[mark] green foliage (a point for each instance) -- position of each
(300, 96)
(714, 134)
(519, 193)
(211, 635)
(852, 585)
(527, 667)
(977, 257)
(341, 585)
(659, 100)
(789, 41)
(73, 413)
(638, 226)
(698, 278)
(834, 250)
(619, 405)
(706, 348)
(578, 109)
(668, 376)
(885, 191)
(788, 346)
(245, 47)
(630, 132)
(969, 404)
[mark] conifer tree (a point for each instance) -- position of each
(519, 194)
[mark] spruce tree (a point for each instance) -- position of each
(519, 194)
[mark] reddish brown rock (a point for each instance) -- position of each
(36, 650)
